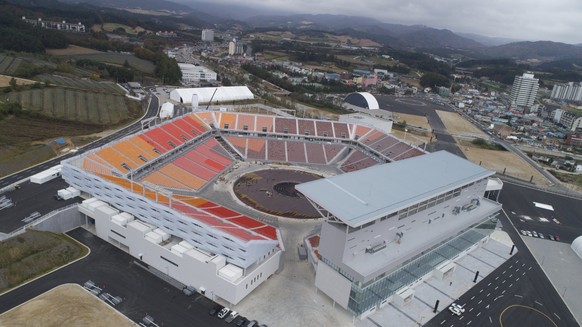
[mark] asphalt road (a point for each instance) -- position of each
(518, 202)
(117, 273)
(30, 198)
(518, 293)
(14, 178)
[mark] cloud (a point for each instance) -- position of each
(557, 20)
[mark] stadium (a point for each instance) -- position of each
(149, 196)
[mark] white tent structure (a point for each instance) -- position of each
(577, 246)
(362, 100)
(205, 94)
(167, 110)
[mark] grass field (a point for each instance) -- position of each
(82, 84)
(9, 65)
(75, 105)
(412, 120)
(65, 305)
(34, 253)
(72, 50)
(110, 27)
(573, 180)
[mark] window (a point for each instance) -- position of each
(225, 126)
(324, 134)
(286, 130)
(343, 135)
(264, 129)
(245, 127)
(307, 132)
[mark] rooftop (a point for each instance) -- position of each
(362, 196)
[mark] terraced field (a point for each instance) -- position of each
(82, 84)
(9, 65)
(119, 59)
(75, 105)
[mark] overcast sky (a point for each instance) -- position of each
(555, 20)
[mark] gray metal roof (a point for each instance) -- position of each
(368, 194)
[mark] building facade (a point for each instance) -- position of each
(568, 92)
(385, 231)
(192, 73)
(568, 119)
(524, 90)
(207, 35)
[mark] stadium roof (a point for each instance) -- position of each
(363, 100)
(362, 196)
(205, 94)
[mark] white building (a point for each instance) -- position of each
(192, 73)
(207, 35)
(568, 119)
(214, 94)
(390, 226)
(568, 92)
(524, 90)
(235, 47)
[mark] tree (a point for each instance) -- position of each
(434, 80)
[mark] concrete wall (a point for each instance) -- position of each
(61, 221)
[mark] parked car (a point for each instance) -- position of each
(253, 323)
(541, 235)
(557, 237)
(233, 314)
(223, 313)
(551, 237)
(529, 233)
(524, 233)
(534, 233)
(242, 322)
(456, 309)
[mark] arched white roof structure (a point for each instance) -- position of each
(577, 246)
(205, 94)
(362, 100)
(167, 110)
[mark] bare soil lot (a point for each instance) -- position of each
(5, 81)
(457, 125)
(514, 165)
(72, 50)
(66, 305)
(412, 120)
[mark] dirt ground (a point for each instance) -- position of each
(458, 125)
(499, 160)
(66, 305)
(5, 81)
(412, 138)
(412, 120)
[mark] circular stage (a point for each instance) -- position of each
(273, 191)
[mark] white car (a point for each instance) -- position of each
(223, 313)
(456, 309)
(233, 314)
(534, 233)
(529, 233)
(524, 233)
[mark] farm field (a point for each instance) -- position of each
(8, 64)
(119, 59)
(83, 84)
(75, 105)
(65, 305)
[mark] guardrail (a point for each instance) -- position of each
(39, 220)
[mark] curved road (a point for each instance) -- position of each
(152, 111)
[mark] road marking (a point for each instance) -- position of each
(469, 322)
(504, 271)
(489, 284)
(539, 303)
(496, 278)
(461, 318)
(510, 266)
(480, 301)
(523, 273)
(470, 309)
(503, 282)
(529, 268)
(491, 321)
(481, 291)
(497, 297)
(496, 287)
(517, 295)
(442, 322)
(510, 275)
(487, 307)
(473, 297)
(557, 316)
(488, 294)
(503, 292)
(523, 265)
(517, 279)
(510, 284)
(516, 270)
(479, 314)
